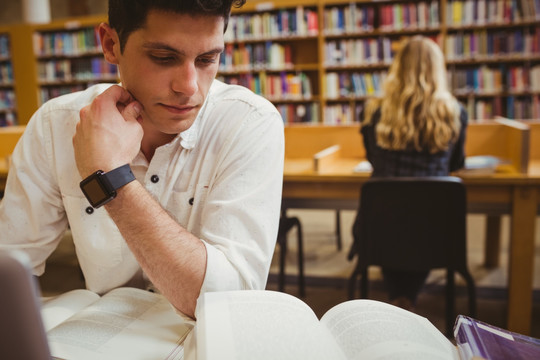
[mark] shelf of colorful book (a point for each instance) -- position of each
(8, 105)
(282, 54)
(343, 17)
(273, 20)
(508, 89)
(488, 106)
(277, 86)
(523, 42)
(68, 57)
(488, 12)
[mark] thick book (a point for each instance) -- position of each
(256, 324)
(125, 323)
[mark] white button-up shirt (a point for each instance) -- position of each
(221, 179)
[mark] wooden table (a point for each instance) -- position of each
(517, 195)
(311, 182)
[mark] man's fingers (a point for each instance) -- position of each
(132, 111)
(114, 96)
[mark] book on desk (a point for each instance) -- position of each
(125, 323)
(256, 324)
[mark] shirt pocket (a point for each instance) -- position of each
(187, 207)
(95, 235)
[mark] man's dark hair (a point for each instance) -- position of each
(126, 16)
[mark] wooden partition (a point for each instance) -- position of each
(305, 141)
(8, 139)
(322, 149)
(503, 138)
(534, 147)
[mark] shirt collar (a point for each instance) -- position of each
(188, 138)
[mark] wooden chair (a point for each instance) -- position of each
(286, 224)
(413, 224)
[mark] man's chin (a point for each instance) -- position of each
(175, 126)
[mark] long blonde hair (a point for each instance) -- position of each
(417, 110)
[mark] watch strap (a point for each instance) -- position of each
(120, 176)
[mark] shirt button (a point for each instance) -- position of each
(89, 210)
(154, 179)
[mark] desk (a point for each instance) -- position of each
(515, 194)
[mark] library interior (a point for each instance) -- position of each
(318, 62)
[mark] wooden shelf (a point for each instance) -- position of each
(308, 55)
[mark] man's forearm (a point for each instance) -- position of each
(173, 259)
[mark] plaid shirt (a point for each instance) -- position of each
(411, 162)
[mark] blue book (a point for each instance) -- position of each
(510, 107)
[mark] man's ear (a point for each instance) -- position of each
(110, 43)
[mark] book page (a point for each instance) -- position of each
(126, 323)
(258, 324)
(56, 309)
(368, 329)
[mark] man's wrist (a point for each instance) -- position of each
(101, 187)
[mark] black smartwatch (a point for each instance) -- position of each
(100, 187)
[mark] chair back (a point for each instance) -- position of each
(413, 223)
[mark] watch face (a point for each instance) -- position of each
(96, 190)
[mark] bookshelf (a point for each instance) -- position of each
(57, 58)
(8, 106)
(493, 53)
(491, 47)
(359, 43)
(318, 61)
(69, 57)
(273, 50)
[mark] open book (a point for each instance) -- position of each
(126, 323)
(272, 325)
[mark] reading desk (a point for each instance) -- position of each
(319, 174)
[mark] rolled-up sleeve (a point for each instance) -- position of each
(241, 215)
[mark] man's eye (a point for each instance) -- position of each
(162, 59)
(207, 61)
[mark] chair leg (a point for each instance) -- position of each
(471, 292)
(352, 282)
(450, 302)
(338, 231)
(301, 282)
(364, 283)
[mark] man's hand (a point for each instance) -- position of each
(108, 134)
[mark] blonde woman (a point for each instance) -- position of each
(416, 129)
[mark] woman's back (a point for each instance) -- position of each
(417, 128)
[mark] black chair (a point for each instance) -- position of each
(413, 224)
(286, 224)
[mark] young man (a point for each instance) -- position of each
(203, 212)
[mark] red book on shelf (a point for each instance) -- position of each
(313, 22)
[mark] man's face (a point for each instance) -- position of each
(169, 65)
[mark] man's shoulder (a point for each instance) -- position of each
(226, 94)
